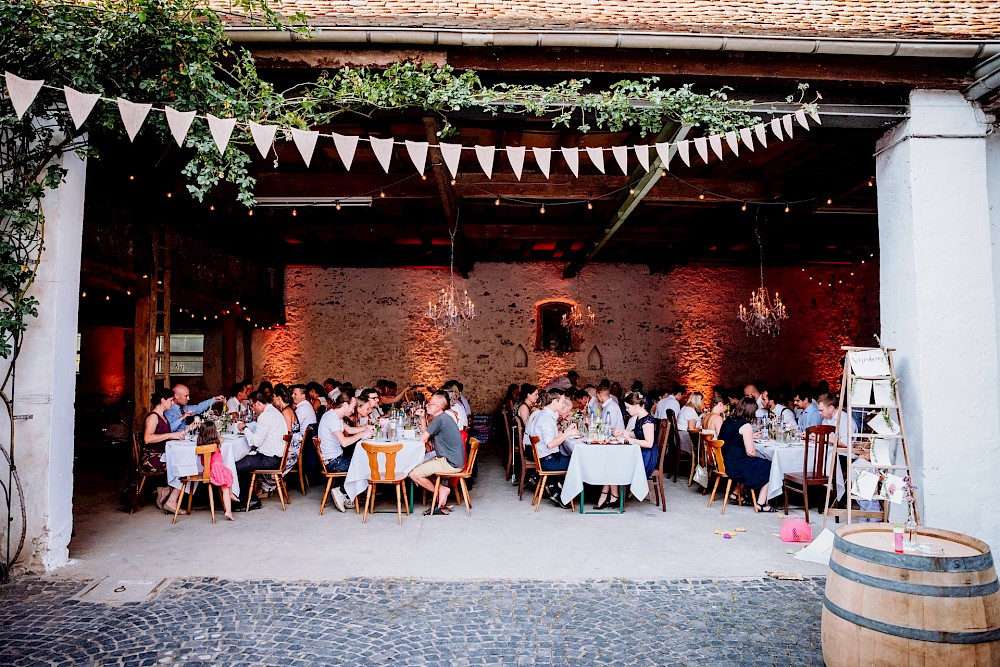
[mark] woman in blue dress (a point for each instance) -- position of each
(642, 433)
(740, 455)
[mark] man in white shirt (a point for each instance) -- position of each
(546, 428)
(237, 398)
(266, 438)
(334, 439)
(774, 405)
(751, 391)
(672, 401)
(611, 412)
(303, 408)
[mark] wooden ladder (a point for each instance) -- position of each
(861, 442)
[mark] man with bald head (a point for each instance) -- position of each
(180, 410)
(447, 446)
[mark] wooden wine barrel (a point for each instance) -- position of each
(884, 608)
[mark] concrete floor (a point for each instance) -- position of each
(504, 539)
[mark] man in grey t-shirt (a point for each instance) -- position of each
(442, 437)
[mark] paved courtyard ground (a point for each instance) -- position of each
(207, 621)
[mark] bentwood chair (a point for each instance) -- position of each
(278, 475)
(330, 476)
(461, 476)
(814, 460)
(205, 452)
(714, 449)
(389, 451)
(509, 437)
(543, 478)
(528, 461)
(137, 470)
(662, 441)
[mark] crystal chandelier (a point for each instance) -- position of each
(764, 315)
(577, 318)
(451, 309)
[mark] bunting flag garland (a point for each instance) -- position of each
(133, 116)
(22, 92)
(621, 157)
(684, 150)
(732, 140)
(417, 151)
(486, 155)
(800, 116)
(263, 137)
(776, 128)
(715, 142)
(222, 130)
(746, 134)
(515, 155)
(79, 104)
(543, 156)
(663, 150)
(786, 123)
(596, 156)
(642, 155)
(572, 157)
(305, 141)
(179, 123)
(346, 147)
(383, 151)
(452, 154)
(701, 144)
(815, 116)
(759, 130)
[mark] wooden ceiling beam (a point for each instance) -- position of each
(463, 260)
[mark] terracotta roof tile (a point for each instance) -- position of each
(946, 19)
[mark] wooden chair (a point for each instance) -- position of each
(814, 471)
(528, 461)
(390, 451)
(279, 478)
(714, 448)
(697, 454)
(663, 442)
(508, 435)
(137, 471)
(205, 452)
(330, 476)
(461, 476)
(300, 465)
(543, 477)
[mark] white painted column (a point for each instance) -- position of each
(46, 379)
(938, 294)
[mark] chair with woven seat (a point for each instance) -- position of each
(460, 476)
(389, 451)
(663, 440)
(205, 452)
(717, 467)
(138, 471)
(543, 477)
(278, 475)
(814, 472)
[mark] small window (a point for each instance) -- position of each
(552, 335)
(187, 352)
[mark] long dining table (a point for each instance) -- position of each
(360, 473)
(785, 458)
(612, 463)
(182, 461)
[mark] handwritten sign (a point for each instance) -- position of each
(869, 363)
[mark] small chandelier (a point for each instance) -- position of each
(576, 318)
(764, 315)
(451, 309)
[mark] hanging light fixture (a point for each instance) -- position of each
(763, 315)
(576, 318)
(451, 310)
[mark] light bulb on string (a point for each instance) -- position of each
(381, 193)
(169, 195)
(663, 173)
(250, 213)
(829, 201)
(590, 206)
(787, 208)
(542, 209)
(338, 206)
(131, 178)
(497, 202)
(701, 195)
(454, 182)
(423, 177)
(744, 207)
(294, 213)
(212, 207)
(631, 190)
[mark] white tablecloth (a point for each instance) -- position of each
(788, 458)
(183, 462)
(359, 474)
(605, 464)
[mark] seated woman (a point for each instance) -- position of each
(527, 400)
(641, 431)
(740, 455)
(717, 415)
(155, 434)
(281, 398)
(689, 419)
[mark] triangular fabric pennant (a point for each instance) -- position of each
(305, 141)
(776, 128)
(746, 134)
(642, 155)
(452, 154)
(515, 155)
(663, 150)
(715, 141)
(346, 145)
(486, 155)
(79, 104)
(621, 157)
(543, 156)
(733, 141)
(786, 123)
(179, 123)
(222, 130)
(596, 156)
(572, 157)
(22, 92)
(701, 144)
(815, 116)
(684, 150)
(383, 151)
(263, 137)
(761, 131)
(418, 153)
(800, 116)
(133, 116)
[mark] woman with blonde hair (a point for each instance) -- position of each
(689, 419)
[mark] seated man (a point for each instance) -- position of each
(334, 439)
(238, 394)
(774, 404)
(443, 438)
(545, 427)
(266, 438)
(810, 412)
(611, 411)
(671, 401)
(180, 410)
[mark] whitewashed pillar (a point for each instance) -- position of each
(46, 379)
(940, 275)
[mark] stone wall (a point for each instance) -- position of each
(364, 324)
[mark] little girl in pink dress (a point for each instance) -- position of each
(221, 476)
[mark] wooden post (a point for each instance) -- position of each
(230, 331)
(247, 351)
(145, 350)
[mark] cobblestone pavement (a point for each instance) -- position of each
(403, 622)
